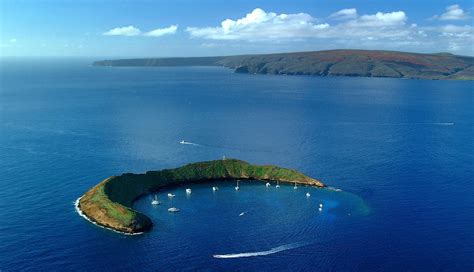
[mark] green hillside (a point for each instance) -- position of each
(109, 202)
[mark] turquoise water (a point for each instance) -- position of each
(401, 151)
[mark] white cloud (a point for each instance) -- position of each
(453, 12)
(380, 30)
(344, 14)
(162, 31)
(452, 38)
(456, 28)
(455, 31)
(260, 25)
(380, 19)
(263, 26)
(123, 31)
(134, 31)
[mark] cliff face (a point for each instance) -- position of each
(361, 63)
(109, 202)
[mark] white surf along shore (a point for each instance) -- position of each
(78, 210)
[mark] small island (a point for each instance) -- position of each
(109, 203)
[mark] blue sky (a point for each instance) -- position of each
(137, 28)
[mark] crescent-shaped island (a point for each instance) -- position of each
(109, 203)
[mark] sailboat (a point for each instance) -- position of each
(237, 187)
(278, 185)
(296, 187)
(173, 209)
(155, 201)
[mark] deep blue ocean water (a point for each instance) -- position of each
(401, 151)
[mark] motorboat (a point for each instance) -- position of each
(173, 209)
(308, 194)
(215, 188)
(188, 191)
(268, 184)
(171, 195)
(155, 201)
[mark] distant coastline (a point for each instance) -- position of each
(358, 63)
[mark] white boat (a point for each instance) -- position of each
(182, 142)
(242, 213)
(215, 188)
(237, 187)
(296, 187)
(308, 194)
(173, 209)
(188, 191)
(278, 185)
(171, 195)
(268, 184)
(155, 201)
(321, 205)
(320, 209)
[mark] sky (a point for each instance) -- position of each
(145, 28)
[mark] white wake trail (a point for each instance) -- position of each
(189, 143)
(259, 253)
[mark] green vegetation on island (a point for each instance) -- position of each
(361, 63)
(109, 203)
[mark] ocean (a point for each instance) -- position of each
(400, 151)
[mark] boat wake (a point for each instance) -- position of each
(260, 253)
(398, 124)
(189, 143)
(334, 189)
(225, 147)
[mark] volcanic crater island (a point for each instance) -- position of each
(341, 62)
(109, 203)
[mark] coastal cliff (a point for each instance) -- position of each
(109, 203)
(358, 63)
